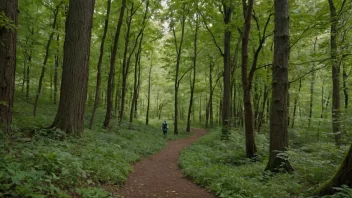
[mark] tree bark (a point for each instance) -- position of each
(100, 61)
(246, 83)
(336, 126)
(188, 129)
(110, 87)
(70, 115)
(226, 124)
(8, 36)
(278, 159)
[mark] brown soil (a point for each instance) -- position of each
(159, 175)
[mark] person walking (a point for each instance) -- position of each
(164, 127)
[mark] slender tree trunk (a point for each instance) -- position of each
(322, 111)
(56, 73)
(118, 94)
(188, 129)
(27, 77)
(295, 104)
(70, 115)
(178, 60)
(261, 115)
(200, 109)
(278, 116)
(311, 99)
(233, 80)
(28, 67)
(110, 87)
(246, 84)
(258, 97)
(126, 62)
(345, 76)
(336, 126)
(226, 123)
(8, 36)
(312, 81)
(209, 105)
(138, 87)
(133, 112)
(24, 71)
(100, 61)
(149, 84)
(47, 50)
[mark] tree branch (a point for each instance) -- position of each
(178, 81)
(304, 75)
(212, 35)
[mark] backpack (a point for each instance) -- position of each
(164, 126)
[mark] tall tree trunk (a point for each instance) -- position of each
(311, 99)
(188, 129)
(278, 116)
(149, 84)
(118, 94)
(110, 87)
(70, 115)
(295, 104)
(246, 83)
(8, 36)
(200, 109)
(138, 86)
(57, 63)
(324, 105)
(344, 77)
(24, 71)
(262, 113)
(133, 109)
(27, 76)
(233, 80)
(100, 61)
(178, 60)
(336, 127)
(226, 124)
(207, 118)
(47, 50)
(312, 81)
(127, 61)
(29, 58)
(210, 105)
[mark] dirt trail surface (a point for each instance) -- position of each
(159, 175)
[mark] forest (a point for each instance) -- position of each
(85, 86)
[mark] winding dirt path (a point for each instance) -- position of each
(159, 176)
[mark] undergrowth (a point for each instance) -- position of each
(222, 167)
(41, 162)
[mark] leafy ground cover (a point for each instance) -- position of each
(41, 162)
(223, 168)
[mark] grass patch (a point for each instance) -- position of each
(223, 168)
(49, 163)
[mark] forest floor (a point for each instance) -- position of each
(159, 175)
